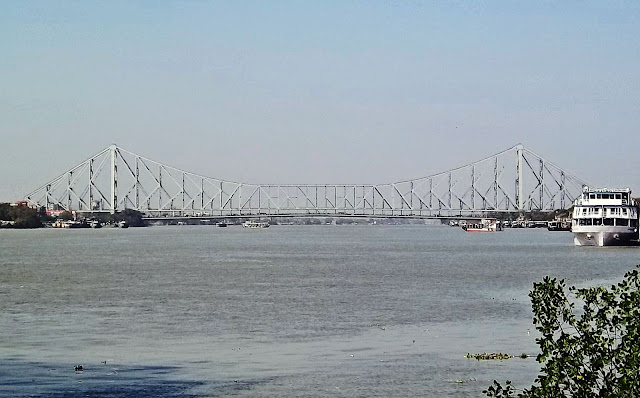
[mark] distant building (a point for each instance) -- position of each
(56, 213)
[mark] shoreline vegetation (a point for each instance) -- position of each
(589, 341)
(19, 217)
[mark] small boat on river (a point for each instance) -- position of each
(485, 225)
(559, 225)
(255, 224)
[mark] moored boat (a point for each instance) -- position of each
(605, 217)
(559, 225)
(75, 224)
(485, 225)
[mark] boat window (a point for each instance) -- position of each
(634, 222)
(624, 212)
(618, 196)
(592, 196)
(597, 221)
(608, 221)
(584, 211)
(623, 222)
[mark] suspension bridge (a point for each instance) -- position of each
(515, 180)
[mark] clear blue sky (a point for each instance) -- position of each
(319, 91)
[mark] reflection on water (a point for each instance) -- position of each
(285, 311)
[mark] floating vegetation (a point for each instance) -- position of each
(486, 356)
(461, 381)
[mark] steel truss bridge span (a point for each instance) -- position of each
(514, 180)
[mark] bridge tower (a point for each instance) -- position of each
(519, 180)
(114, 178)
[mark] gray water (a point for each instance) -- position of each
(289, 311)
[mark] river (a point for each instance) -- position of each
(288, 311)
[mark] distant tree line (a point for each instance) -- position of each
(21, 216)
(130, 216)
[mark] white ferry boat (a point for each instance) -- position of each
(485, 225)
(605, 217)
(255, 224)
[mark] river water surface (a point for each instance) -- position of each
(289, 311)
